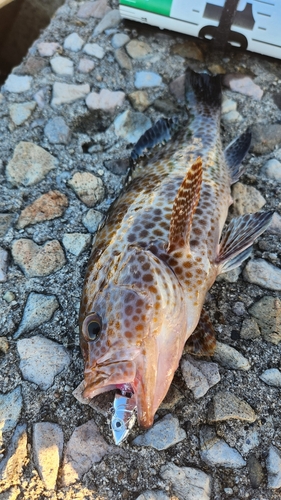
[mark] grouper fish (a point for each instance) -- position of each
(159, 251)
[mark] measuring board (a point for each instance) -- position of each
(255, 24)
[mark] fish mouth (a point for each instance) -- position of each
(108, 377)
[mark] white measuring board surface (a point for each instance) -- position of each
(256, 24)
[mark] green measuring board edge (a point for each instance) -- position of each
(163, 7)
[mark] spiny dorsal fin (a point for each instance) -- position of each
(184, 206)
(240, 234)
(160, 132)
(203, 340)
(235, 154)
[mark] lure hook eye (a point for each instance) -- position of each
(92, 326)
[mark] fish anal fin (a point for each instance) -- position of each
(235, 153)
(240, 235)
(184, 206)
(203, 340)
(161, 131)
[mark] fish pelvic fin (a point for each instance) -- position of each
(236, 243)
(203, 91)
(184, 207)
(203, 340)
(235, 153)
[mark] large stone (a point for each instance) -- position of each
(264, 274)
(46, 207)
(12, 465)
(188, 483)
(88, 187)
(20, 112)
(41, 360)
(164, 434)
(17, 84)
(29, 165)
(226, 406)
(230, 358)
(93, 9)
(137, 49)
(65, 93)
(130, 125)
(265, 137)
(39, 308)
(246, 199)
(273, 465)
(57, 131)
(106, 100)
(47, 450)
(85, 448)
(199, 375)
(35, 260)
(110, 20)
(267, 312)
(10, 410)
(244, 85)
(62, 66)
(73, 42)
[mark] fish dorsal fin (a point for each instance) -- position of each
(240, 235)
(161, 131)
(235, 153)
(184, 207)
(203, 340)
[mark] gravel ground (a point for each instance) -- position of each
(69, 116)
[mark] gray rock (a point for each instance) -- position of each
(272, 376)
(47, 450)
(11, 466)
(251, 441)
(226, 406)
(216, 452)
(231, 276)
(119, 39)
(275, 225)
(10, 494)
(85, 448)
(85, 65)
(38, 309)
(65, 93)
(152, 495)
(88, 187)
(106, 100)
(187, 483)
(244, 85)
(273, 465)
(265, 138)
(137, 49)
(123, 59)
(272, 169)
(110, 20)
(246, 199)
(56, 131)
(147, 79)
(3, 264)
(20, 112)
(267, 314)
(93, 49)
(48, 49)
(17, 84)
(232, 116)
(199, 375)
(95, 9)
(230, 358)
(10, 410)
(228, 105)
(130, 125)
(5, 223)
(164, 434)
(76, 243)
(29, 165)
(256, 474)
(264, 274)
(92, 219)
(36, 260)
(250, 329)
(41, 360)
(62, 66)
(73, 42)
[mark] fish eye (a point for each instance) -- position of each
(92, 326)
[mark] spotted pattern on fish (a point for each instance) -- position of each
(157, 255)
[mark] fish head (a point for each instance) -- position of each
(134, 333)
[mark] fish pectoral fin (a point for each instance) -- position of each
(235, 153)
(236, 243)
(203, 340)
(184, 207)
(158, 133)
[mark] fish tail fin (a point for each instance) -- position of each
(203, 92)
